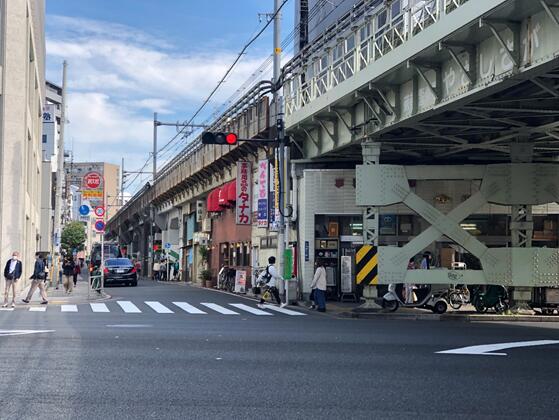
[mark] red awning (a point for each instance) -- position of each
(231, 191)
(213, 201)
(222, 196)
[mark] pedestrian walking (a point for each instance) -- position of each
(68, 271)
(163, 270)
(156, 268)
(318, 285)
(76, 273)
(39, 275)
(12, 273)
(269, 278)
(176, 269)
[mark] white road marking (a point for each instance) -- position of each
(283, 310)
(486, 349)
(129, 326)
(250, 309)
(37, 309)
(7, 309)
(99, 307)
(22, 332)
(189, 308)
(159, 308)
(219, 309)
(128, 307)
(69, 308)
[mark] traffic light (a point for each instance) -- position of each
(209, 137)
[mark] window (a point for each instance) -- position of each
(44, 138)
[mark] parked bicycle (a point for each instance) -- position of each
(226, 279)
(458, 297)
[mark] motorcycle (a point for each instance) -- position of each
(432, 297)
(493, 296)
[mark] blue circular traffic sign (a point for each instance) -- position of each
(84, 210)
(100, 225)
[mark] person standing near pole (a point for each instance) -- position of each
(38, 278)
(318, 285)
(12, 273)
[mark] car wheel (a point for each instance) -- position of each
(134, 283)
(440, 307)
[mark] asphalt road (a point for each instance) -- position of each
(179, 365)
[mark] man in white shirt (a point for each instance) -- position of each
(270, 278)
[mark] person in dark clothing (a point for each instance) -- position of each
(38, 277)
(12, 273)
(77, 271)
(68, 271)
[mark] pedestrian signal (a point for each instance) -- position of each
(209, 137)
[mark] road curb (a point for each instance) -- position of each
(450, 317)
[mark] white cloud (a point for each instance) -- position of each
(118, 76)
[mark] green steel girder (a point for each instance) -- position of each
(504, 184)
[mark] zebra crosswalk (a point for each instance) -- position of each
(129, 307)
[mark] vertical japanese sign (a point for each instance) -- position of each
(244, 199)
(262, 193)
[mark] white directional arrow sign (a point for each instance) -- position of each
(487, 349)
(22, 332)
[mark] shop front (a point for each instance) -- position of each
(230, 238)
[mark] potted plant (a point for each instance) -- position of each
(206, 277)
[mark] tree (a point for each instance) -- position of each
(73, 237)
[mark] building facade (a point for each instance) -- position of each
(49, 145)
(22, 64)
(75, 171)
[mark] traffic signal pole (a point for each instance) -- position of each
(282, 236)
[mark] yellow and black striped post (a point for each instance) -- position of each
(366, 261)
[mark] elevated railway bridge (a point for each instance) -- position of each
(415, 126)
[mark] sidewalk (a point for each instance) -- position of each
(466, 313)
(59, 297)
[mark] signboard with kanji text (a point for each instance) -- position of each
(243, 202)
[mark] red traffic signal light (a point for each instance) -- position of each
(209, 137)
(231, 138)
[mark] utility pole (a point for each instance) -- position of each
(122, 183)
(282, 235)
(154, 146)
(59, 179)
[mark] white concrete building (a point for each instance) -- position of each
(49, 144)
(22, 70)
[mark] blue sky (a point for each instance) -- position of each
(129, 58)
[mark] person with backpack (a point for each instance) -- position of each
(269, 278)
(38, 277)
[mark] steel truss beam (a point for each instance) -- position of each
(514, 27)
(436, 89)
(549, 10)
(470, 74)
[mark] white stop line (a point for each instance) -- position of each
(22, 332)
(486, 349)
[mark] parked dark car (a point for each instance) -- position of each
(120, 271)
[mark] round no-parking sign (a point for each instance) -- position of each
(100, 226)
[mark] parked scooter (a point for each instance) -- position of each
(495, 297)
(432, 297)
